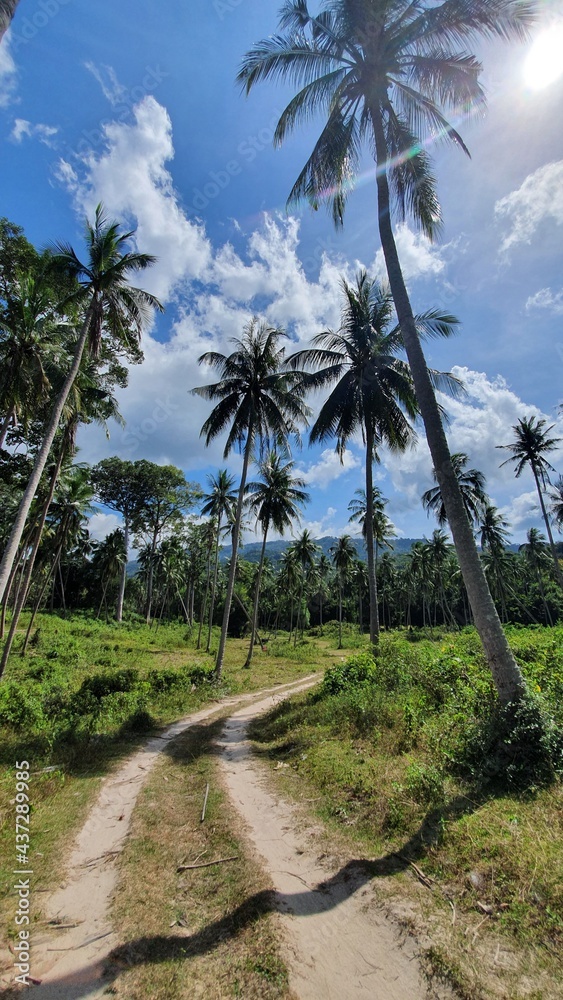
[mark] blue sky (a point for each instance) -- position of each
(134, 104)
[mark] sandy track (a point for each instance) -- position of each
(339, 945)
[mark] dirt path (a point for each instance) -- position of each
(69, 962)
(339, 944)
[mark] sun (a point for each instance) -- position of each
(545, 59)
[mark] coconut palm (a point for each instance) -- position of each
(373, 390)
(556, 498)
(109, 560)
(219, 504)
(7, 11)
(472, 488)
(530, 446)
(113, 307)
(383, 528)
(492, 529)
(387, 73)
(275, 500)
(289, 580)
(262, 405)
(305, 550)
(343, 558)
(537, 556)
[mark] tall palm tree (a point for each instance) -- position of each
(289, 580)
(275, 500)
(556, 499)
(387, 72)
(7, 11)
(492, 529)
(305, 550)
(219, 504)
(530, 446)
(373, 390)
(263, 405)
(536, 555)
(112, 306)
(109, 559)
(344, 558)
(471, 486)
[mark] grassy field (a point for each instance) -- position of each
(404, 770)
(401, 766)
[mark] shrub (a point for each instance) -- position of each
(357, 669)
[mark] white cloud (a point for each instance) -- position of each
(329, 467)
(129, 176)
(24, 129)
(419, 257)
(101, 525)
(8, 72)
(112, 89)
(546, 299)
(522, 512)
(478, 424)
(539, 197)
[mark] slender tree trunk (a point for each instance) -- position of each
(150, 577)
(558, 573)
(372, 578)
(213, 587)
(205, 599)
(254, 622)
(506, 673)
(340, 614)
(12, 546)
(26, 582)
(6, 422)
(234, 553)
(123, 580)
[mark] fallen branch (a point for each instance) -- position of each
(425, 879)
(206, 864)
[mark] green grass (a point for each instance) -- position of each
(402, 769)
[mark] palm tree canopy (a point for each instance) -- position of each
(472, 487)
(493, 529)
(383, 529)
(221, 500)
(276, 499)
(530, 446)
(344, 556)
(305, 549)
(556, 497)
(374, 387)
(404, 58)
(259, 400)
(103, 282)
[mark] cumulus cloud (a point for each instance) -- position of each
(539, 197)
(329, 467)
(101, 525)
(419, 257)
(546, 299)
(24, 129)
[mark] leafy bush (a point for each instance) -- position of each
(20, 706)
(357, 669)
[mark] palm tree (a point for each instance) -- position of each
(219, 503)
(383, 528)
(492, 529)
(373, 389)
(28, 333)
(275, 500)
(288, 580)
(343, 557)
(556, 498)
(109, 559)
(536, 554)
(472, 488)
(112, 306)
(387, 73)
(530, 446)
(304, 549)
(263, 404)
(7, 11)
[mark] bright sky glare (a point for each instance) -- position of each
(544, 64)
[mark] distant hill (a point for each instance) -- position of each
(275, 550)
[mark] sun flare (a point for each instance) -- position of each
(545, 60)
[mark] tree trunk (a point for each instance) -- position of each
(123, 580)
(506, 673)
(150, 576)
(12, 546)
(205, 598)
(234, 553)
(213, 588)
(254, 622)
(5, 425)
(340, 614)
(372, 578)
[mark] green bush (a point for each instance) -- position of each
(357, 669)
(20, 706)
